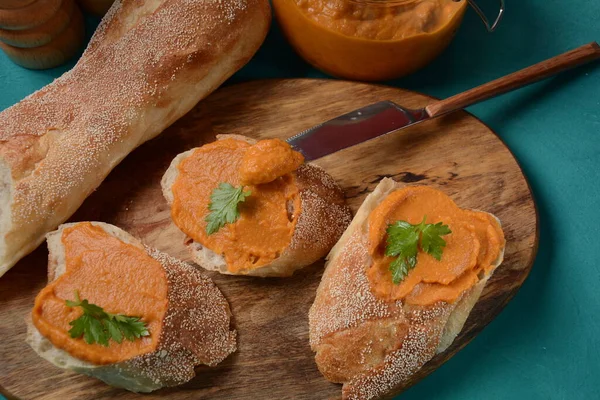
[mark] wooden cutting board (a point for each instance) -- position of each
(457, 154)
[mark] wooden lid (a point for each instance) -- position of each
(44, 33)
(56, 52)
(12, 4)
(29, 16)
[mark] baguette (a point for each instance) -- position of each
(324, 216)
(196, 328)
(370, 345)
(148, 63)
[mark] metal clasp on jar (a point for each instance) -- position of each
(486, 22)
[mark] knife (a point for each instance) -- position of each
(385, 117)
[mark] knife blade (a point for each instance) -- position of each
(355, 127)
(385, 117)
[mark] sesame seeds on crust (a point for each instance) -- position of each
(344, 304)
(323, 218)
(344, 297)
(324, 214)
(196, 329)
(374, 347)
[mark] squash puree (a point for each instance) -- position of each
(267, 160)
(471, 249)
(267, 217)
(119, 277)
(369, 40)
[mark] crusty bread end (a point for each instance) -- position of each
(180, 348)
(346, 318)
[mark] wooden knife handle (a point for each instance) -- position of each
(524, 77)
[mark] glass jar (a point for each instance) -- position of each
(372, 40)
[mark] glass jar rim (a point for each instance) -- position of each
(391, 2)
(490, 26)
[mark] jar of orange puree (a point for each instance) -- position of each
(372, 40)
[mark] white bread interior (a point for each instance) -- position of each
(385, 375)
(152, 371)
(328, 219)
(148, 63)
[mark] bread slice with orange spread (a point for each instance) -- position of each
(293, 213)
(186, 318)
(372, 333)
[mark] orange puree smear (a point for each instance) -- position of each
(369, 39)
(378, 21)
(267, 160)
(114, 275)
(471, 249)
(266, 222)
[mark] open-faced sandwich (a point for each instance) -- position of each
(254, 208)
(399, 286)
(125, 313)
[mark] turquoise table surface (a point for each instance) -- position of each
(546, 343)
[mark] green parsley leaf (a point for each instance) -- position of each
(400, 267)
(99, 326)
(223, 206)
(404, 240)
(114, 331)
(431, 239)
(78, 326)
(132, 328)
(92, 310)
(97, 332)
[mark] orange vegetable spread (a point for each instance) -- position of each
(267, 217)
(471, 249)
(119, 277)
(369, 40)
(378, 22)
(267, 160)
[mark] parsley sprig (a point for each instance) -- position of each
(99, 326)
(223, 206)
(404, 240)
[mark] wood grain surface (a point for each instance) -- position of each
(456, 153)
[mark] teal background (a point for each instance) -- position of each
(545, 344)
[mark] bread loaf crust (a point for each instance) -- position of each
(148, 63)
(371, 346)
(196, 328)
